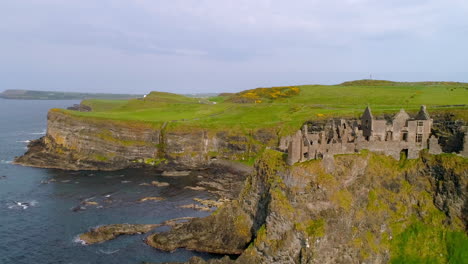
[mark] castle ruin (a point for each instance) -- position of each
(402, 135)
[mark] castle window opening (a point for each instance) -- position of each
(404, 154)
(404, 136)
(420, 123)
(418, 138)
(389, 136)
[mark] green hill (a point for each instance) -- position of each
(288, 107)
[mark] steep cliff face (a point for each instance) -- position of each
(78, 143)
(367, 208)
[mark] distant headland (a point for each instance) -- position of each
(54, 95)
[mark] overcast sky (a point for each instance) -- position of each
(191, 46)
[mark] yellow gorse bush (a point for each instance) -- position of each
(256, 95)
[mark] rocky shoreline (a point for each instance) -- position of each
(225, 183)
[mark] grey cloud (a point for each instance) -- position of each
(247, 38)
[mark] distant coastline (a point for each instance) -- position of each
(53, 95)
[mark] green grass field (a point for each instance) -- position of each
(288, 107)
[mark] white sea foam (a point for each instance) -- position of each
(108, 252)
(79, 241)
(5, 161)
(90, 198)
(22, 205)
(39, 133)
(23, 141)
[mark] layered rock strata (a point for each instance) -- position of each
(78, 143)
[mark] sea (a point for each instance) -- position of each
(37, 220)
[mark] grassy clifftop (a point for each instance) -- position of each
(286, 107)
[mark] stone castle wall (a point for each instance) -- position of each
(402, 135)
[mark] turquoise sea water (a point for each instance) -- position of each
(46, 231)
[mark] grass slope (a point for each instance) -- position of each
(286, 108)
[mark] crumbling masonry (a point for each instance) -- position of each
(401, 136)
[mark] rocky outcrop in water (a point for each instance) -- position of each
(368, 208)
(108, 232)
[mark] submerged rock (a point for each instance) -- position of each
(78, 208)
(151, 199)
(206, 205)
(175, 173)
(210, 203)
(108, 232)
(90, 203)
(195, 206)
(195, 188)
(159, 184)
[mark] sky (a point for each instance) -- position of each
(198, 46)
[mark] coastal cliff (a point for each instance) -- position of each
(81, 143)
(363, 208)
(350, 208)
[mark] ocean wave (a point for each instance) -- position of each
(109, 252)
(5, 161)
(23, 141)
(22, 205)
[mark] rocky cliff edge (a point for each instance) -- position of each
(367, 208)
